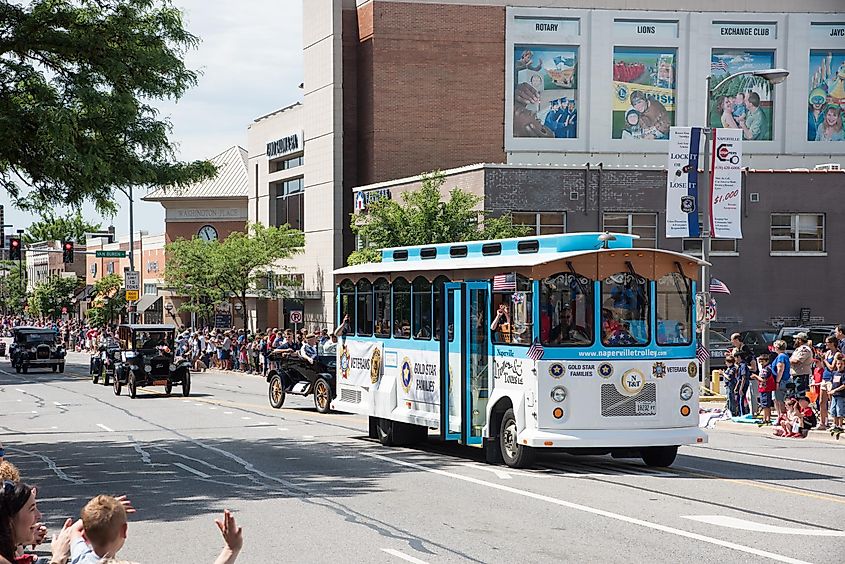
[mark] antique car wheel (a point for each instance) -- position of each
(186, 383)
(133, 387)
(276, 393)
(168, 388)
(322, 396)
(116, 385)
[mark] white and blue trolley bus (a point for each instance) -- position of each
(580, 342)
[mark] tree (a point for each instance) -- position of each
(12, 287)
(51, 228)
(423, 218)
(237, 266)
(49, 297)
(77, 79)
(108, 300)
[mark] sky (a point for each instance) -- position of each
(251, 64)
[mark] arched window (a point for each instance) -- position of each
(421, 298)
(437, 287)
(365, 308)
(511, 314)
(381, 294)
(674, 309)
(347, 304)
(566, 310)
(401, 309)
(625, 310)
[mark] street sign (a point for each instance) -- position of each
(222, 320)
(110, 254)
(132, 295)
(296, 316)
(132, 280)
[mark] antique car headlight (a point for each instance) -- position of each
(686, 392)
(558, 394)
(148, 368)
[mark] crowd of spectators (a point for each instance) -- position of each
(95, 537)
(806, 387)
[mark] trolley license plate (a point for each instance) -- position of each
(159, 382)
(646, 407)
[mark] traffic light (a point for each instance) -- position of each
(67, 251)
(14, 248)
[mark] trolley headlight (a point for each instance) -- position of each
(558, 394)
(686, 392)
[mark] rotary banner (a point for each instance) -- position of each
(682, 182)
(726, 184)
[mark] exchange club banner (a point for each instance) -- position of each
(726, 184)
(682, 182)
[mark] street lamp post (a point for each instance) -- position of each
(774, 76)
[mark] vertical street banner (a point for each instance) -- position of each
(682, 182)
(726, 184)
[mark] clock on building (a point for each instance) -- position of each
(207, 233)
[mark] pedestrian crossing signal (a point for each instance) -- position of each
(67, 252)
(14, 249)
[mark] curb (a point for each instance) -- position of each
(815, 436)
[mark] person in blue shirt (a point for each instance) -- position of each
(570, 121)
(780, 367)
(309, 348)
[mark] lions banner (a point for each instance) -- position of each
(360, 363)
(726, 184)
(682, 182)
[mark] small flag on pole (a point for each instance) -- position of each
(718, 287)
(536, 350)
(504, 282)
(719, 65)
(702, 353)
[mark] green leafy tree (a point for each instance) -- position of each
(423, 218)
(49, 297)
(12, 287)
(108, 301)
(52, 228)
(237, 266)
(77, 83)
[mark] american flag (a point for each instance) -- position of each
(504, 282)
(719, 65)
(702, 353)
(718, 287)
(536, 350)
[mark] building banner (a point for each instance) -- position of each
(682, 182)
(743, 102)
(644, 93)
(360, 363)
(545, 86)
(826, 96)
(726, 184)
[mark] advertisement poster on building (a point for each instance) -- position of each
(744, 102)
(682, 182)
(826, 100)
(726, 193)
(545, 86)
(643, 92)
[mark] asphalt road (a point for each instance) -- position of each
(312, 488)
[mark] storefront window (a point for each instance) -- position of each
(625, 310)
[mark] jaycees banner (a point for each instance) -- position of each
(682, 182)
(726, 182)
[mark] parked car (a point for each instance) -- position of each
(104, 361)
(295, 375)
(816, 333)
(147, 359)
(719, 346)
(36, 347)
(759, 340)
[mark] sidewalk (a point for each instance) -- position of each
(815, 436)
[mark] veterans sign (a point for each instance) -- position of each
(726, 184)
(682, 182)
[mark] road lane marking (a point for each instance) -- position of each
(19, 390)
(227, 413)
(246, 418)
(191, 470)
(104, 428)
(592, 510)
(282, 428)
(403, 556)
(502, 474)
(58, 404)
(746, 525)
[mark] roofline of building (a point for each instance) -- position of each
(274, 112)
(186, 198)
(482, 166)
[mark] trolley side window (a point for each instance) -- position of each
(421, 294)
(566, 310)
(381, 295)
(438, 305)
(625, 310)
(674, 309)
(401, 309)
(511, 310)
(365, 308)
(347, 304)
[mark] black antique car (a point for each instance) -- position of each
(147, 359)
(36, 347)
(295, 375)
(104, 361)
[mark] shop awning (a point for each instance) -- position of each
(85, 293)
(146, 301)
